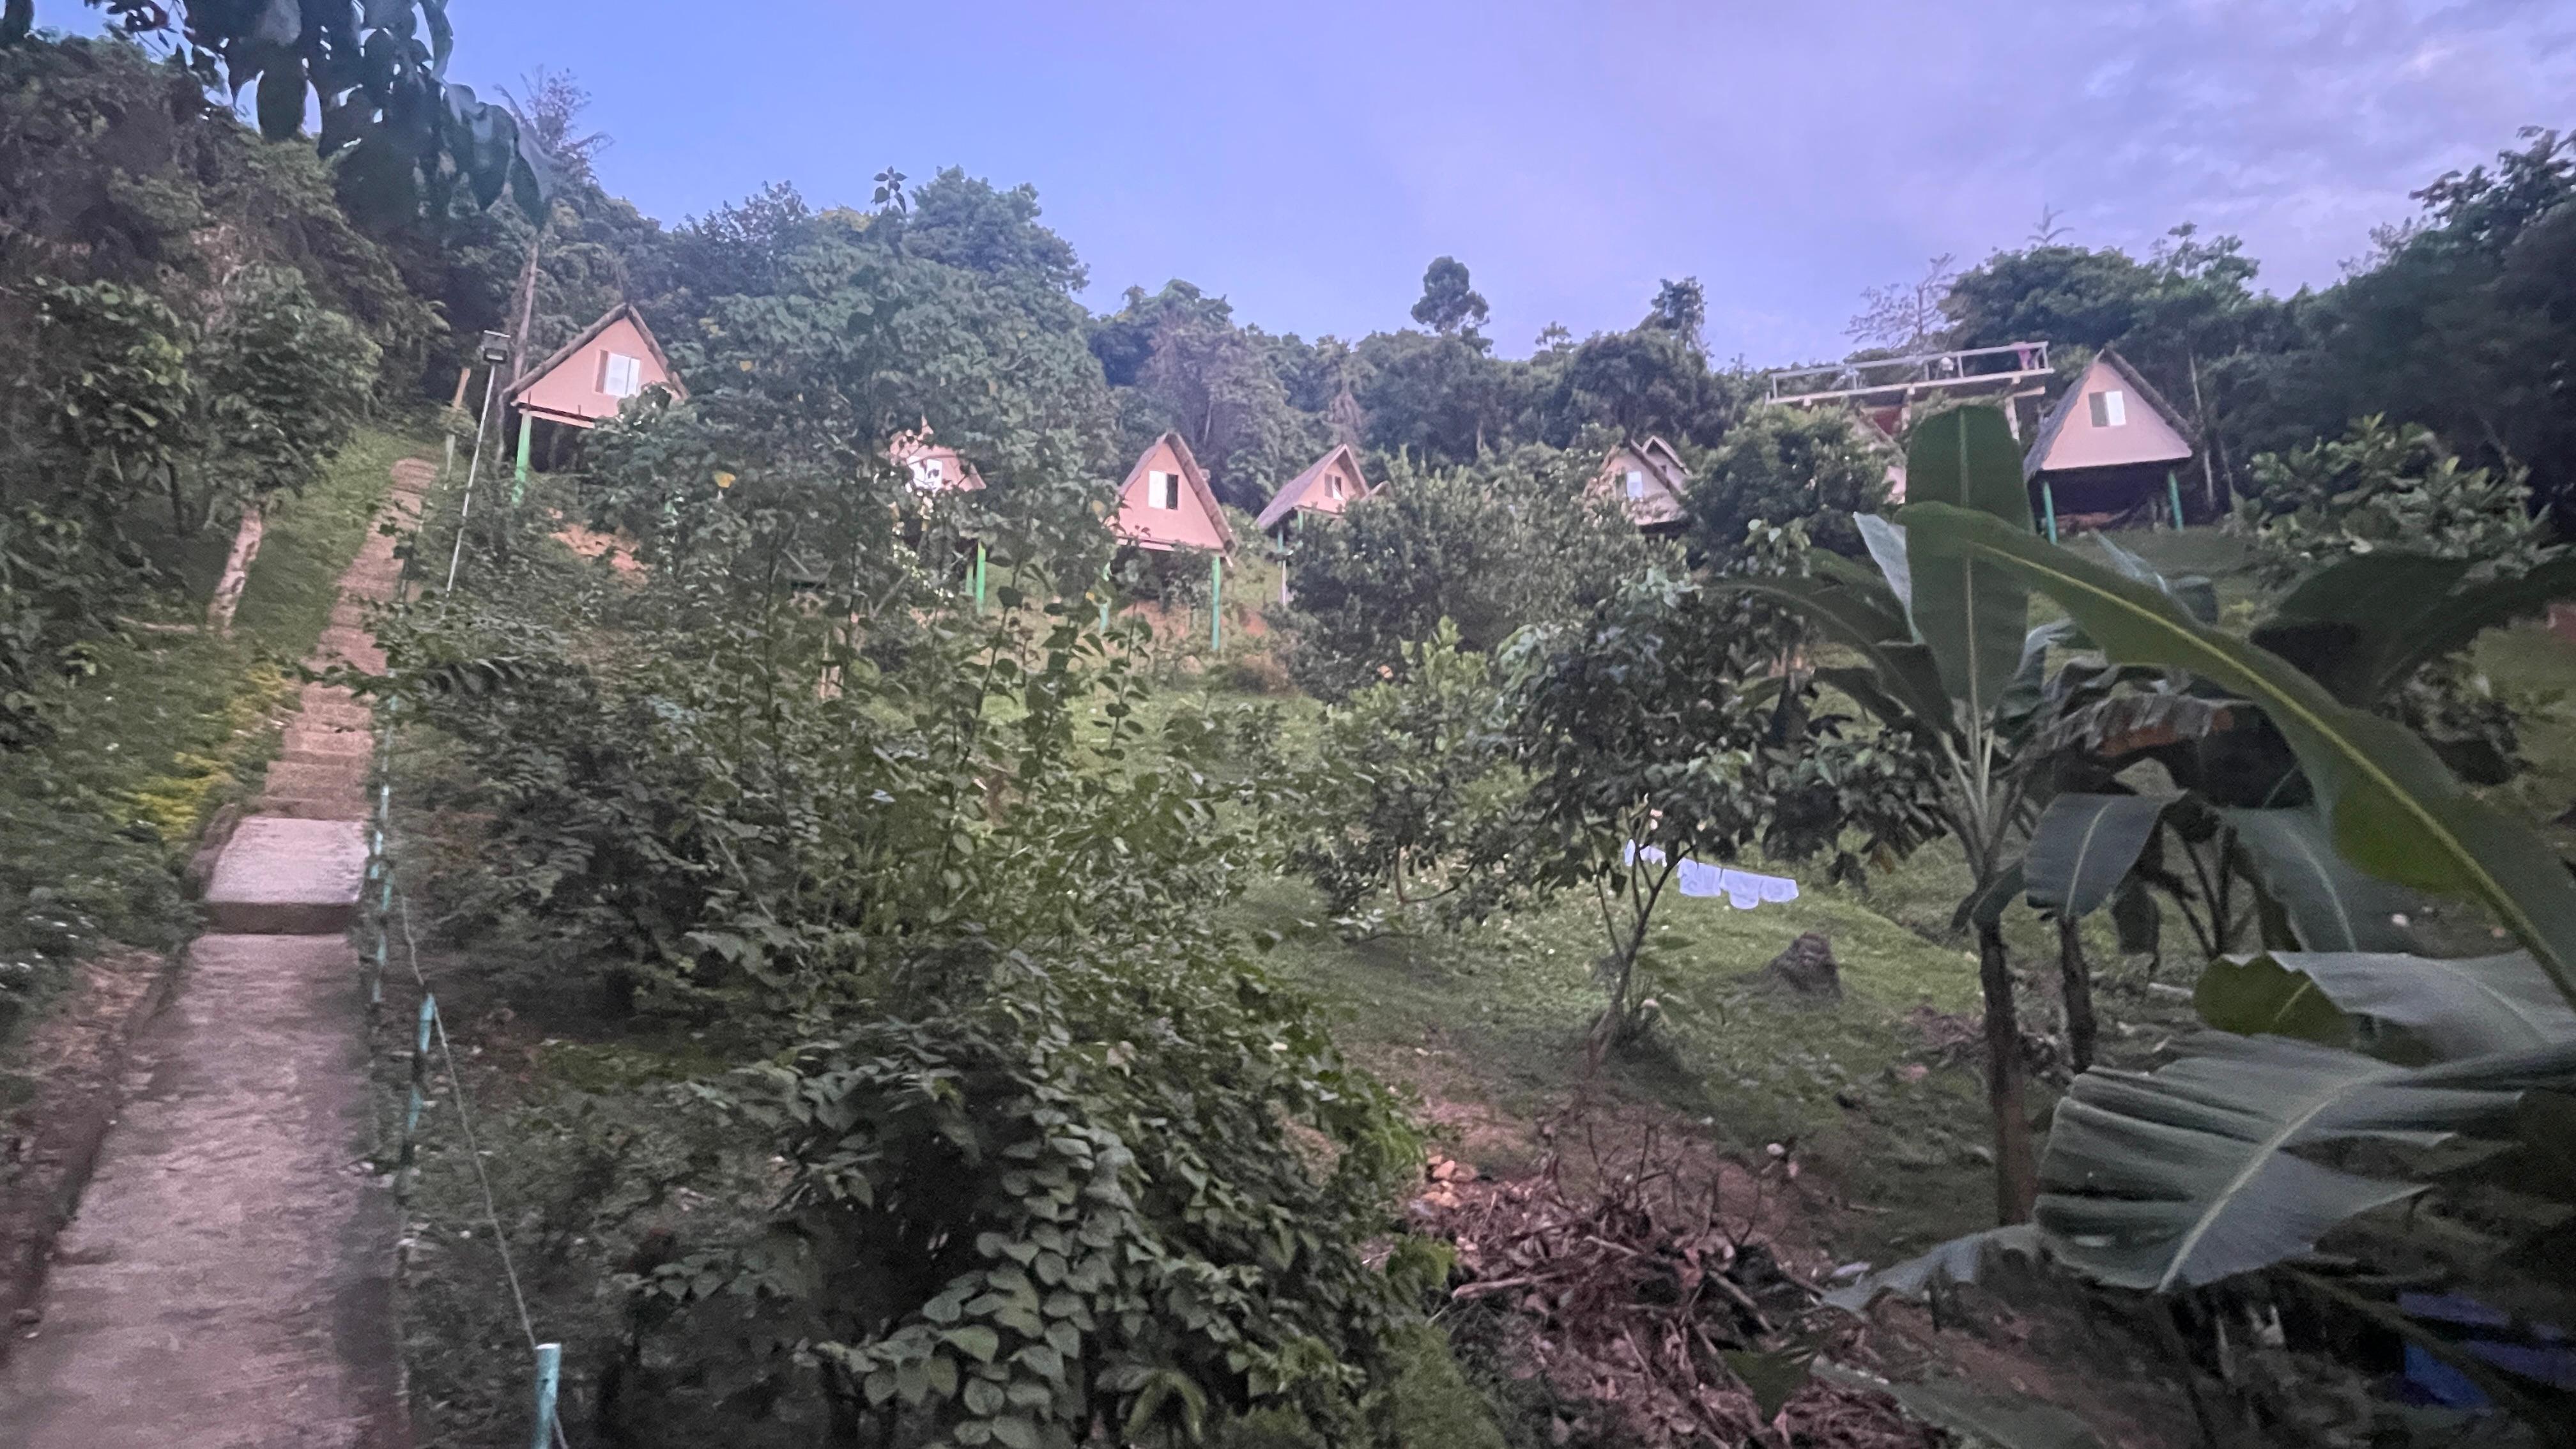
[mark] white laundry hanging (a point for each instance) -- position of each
(1742, 889)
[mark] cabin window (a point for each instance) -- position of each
(1333, 487)
(620, 375)
(1636, 485)
(933, 472)
(2110, 409)
(1163, 490)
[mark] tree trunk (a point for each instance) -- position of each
(236, 575)
(2075, 977)
(2016, 1171)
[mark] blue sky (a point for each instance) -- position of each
(1306, 160)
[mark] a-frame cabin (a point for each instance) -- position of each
(1330, 484)
(1166, 503)
(589, 378)
(1650, 483)
(2108, 451)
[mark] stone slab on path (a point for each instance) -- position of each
(228, 1282)
(288, 877)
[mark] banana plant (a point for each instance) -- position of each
(2207, 1167)
(1947, 649)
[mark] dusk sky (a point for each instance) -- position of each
(1307, 160)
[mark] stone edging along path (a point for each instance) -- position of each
(227, 1279)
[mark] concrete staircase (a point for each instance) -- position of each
(227, 1281)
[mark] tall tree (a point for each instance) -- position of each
(1906, 317)
(1450, 304)
(1680, 308)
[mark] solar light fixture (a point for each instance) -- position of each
(495, 347)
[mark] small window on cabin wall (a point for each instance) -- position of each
(1333, 487)
(620, 375)
(2110, 409)
(1636, 484)
(1163, 490)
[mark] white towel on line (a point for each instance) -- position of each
(1742, 889)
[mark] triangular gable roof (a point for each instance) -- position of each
(590, 334)
(1667, 462)
(1293, 496)
(1190, 473)
(2147, 446)
(1662, 465)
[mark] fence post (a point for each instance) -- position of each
(549, 1375)
(411, 1114)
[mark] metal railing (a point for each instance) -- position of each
(1971, 367)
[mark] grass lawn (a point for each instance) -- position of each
(95, 823)
(1489, 1027)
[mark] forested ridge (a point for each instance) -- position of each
(932, 973)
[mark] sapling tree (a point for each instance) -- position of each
(1654, 731)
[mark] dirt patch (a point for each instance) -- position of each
(617, 548)
(1676, 1205)
(71, 1065)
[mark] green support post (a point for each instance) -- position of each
(2173, 491)
(519, 482)
(419, 1098)
(979, 576)
(1216, 604)
(1104, 598)
(549, 1378)
(2048, 501)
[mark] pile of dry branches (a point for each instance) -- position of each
(1637, 1296)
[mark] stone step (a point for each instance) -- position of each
(281, 876)
(319, 744)
(320, 780)
(314, 807)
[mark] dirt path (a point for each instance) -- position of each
(227, 1280)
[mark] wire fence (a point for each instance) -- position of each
(385, 914)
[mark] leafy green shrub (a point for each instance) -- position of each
(1515, 540)
(2383, 486)
(1815, 467)
(1120, 1193)
(1399, 779)
(1057, 1156)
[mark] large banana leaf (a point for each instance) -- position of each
(2191, 1174)
(1971, 612)
(1959, 1260)
(2196, 594)
(2471, 611)
(2455, 1008)
(2083, 846)
(1905, 671)
(1886, 544)
(2397, 813)
(2366, 622)
(2252, 996)
(2331, 906)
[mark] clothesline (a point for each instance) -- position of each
(1742, 889)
